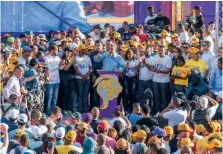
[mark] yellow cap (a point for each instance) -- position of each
(124, 47)
(164, 33)
(117, 35)
(193, 12)
(82, 47)
(214, 144)
(121, 144)
(135, 44)
(200, 128)
(20, 133)
(174, 35)
(13, 60)
(82, 126)
(184, 127)
(169, 130)
(141, 134)
(11, 67)
(195, 40)
(154, 139)
(186, 142)
(193, 50)
(90, 47)
(217, 135)
(69, 39)
(213, 125)
(71, 135)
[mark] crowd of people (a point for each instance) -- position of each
(172, 89)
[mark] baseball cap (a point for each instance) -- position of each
(13, 114)
(117, 35)
(195, 40)
(41, 60)
(219, 94)
(214, 144)
(103, 125)
(69, 39)
(184, 127)
(73, 46)
(42, 37)
(82, 47)
(11, 39)
(76, 115)
(26, 49)
(71, 135)
(87, 117)
(36, 132)
(154, 139)
(124, 48)
(131, 26)
(98, 26)
(203, 101)
(57, 43)
(169, 130)
(193, 50)
(90, 47)
(121, 144)
(42, 48)
(13, 60)
(186, 142)
(60, 132)
(164, 33)
(135, 44)
(213, 125)
(56, 32)
(141, 134)
(174, 35)
(198, 8)
(200, 128)
(28, 33)
(22, 118)
(19, 133)
(82, 126)
(159, 132)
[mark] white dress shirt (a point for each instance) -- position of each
(184, 37)
(208, 57)
(12, 87)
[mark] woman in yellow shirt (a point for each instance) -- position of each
(180, 75)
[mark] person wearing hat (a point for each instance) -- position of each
(13, 143)
(82, 128)
(13, 62)
(75, 119)
(128, 33)
(184, 37)
(199, 22)
(36, 141)
(140, 147)
(183, 132)
(213, 145)
(83, 68)
(68, 145)
(200, 129)
(161, 20)
(67, 73)
(195, 42)
(182, 143)
(90, 49)
(95, 34)
(122, 146)
(169, 134)
(180, 75)
(196, 63)
(22, 121)
(10, 44)
(166, 36)
(59, 135)
(56, 37)
(26, 56)
(11, 119)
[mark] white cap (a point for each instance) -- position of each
(43, 128)
(203, 102)
(13, 114)
(219, 94)
(23, 118)
(36, 132)
(60, 132)
(73, 46)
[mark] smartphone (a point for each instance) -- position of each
(50, 145)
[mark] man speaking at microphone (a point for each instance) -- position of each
(112, 61)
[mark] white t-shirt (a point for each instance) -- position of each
(212, 110)
(131, 71)
(213, 34)
(161, 63)
(94, 36)
(184, 37)
(52, 63)
(124, 125)
(83, 64)
(208, 57)
(175, 117)
(208, 38)
(149, 18)
(144, 73)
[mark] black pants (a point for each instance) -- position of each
(162, 96)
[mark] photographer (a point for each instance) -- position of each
(176, 112)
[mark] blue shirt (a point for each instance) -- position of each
(20, 16)
(133, 118)
(35, 83)
(35, 144)
(12, 125)
(216, 81)
(111, 63)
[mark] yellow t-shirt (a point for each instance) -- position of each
(62, 149)
(182, 72)
(199, 65)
